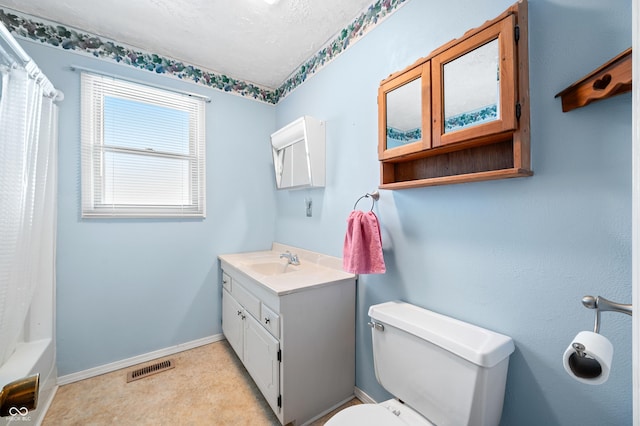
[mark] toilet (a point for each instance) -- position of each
(441, 371)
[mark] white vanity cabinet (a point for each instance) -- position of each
(298, 343)
(258, 350)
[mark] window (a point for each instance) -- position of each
(143, 150)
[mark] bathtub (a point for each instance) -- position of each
(30, 358)
(36, 353)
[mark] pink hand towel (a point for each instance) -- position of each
(362, 252)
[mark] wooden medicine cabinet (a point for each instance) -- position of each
(460, 114)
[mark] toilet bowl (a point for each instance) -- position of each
(441, 371)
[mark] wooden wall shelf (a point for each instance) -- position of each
(450, 165)
(612, 78)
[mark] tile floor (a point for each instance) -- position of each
(208, 386)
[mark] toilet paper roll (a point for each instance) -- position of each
(594, 367)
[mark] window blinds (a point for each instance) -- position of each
(143, 150)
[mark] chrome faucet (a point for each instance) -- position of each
(292, 258)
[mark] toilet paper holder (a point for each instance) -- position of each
(600, 304)
(588, 358)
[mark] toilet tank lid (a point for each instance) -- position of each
(478, 345)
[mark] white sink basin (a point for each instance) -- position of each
(268, 269)
(272, 268)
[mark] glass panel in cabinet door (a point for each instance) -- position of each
(404, 114)
(472, 88)
(404, 111)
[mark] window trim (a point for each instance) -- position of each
(94, 88)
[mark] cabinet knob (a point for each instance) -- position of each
(239, 312)
(267, 320)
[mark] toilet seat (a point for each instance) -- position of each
(365, 415)
(387, 413)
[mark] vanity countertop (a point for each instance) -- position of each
(267, 268)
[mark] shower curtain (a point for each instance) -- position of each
(28, 157)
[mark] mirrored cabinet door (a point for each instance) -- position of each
(404, 103)
(474, 87)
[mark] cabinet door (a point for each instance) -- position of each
(474, 87)
(261, 360)
(232, 322)
(404, 113)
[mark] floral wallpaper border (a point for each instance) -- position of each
(357, 29)
(67, 38)
(471, 118)
(396, 138)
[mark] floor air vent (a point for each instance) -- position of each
(147, 371)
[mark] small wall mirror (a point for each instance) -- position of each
(404, 114)
(472, 101)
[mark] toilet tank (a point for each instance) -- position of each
(450, 371)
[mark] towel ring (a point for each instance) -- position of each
(375, 196)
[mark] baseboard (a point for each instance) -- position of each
(327, 411)
(118, 365)
(358, 393)
(366, 399)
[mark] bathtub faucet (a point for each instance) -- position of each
(20, 396)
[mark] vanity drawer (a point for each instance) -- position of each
(270, 320)
(226, 282)
(246, 299)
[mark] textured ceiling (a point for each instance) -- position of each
(249, 40)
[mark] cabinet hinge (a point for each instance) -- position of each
(518, 111)
(280, 401)
(280, 355)
(516, 33)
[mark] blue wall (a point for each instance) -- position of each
(127, 287)
(515, 256)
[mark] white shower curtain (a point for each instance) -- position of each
(28, 151)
